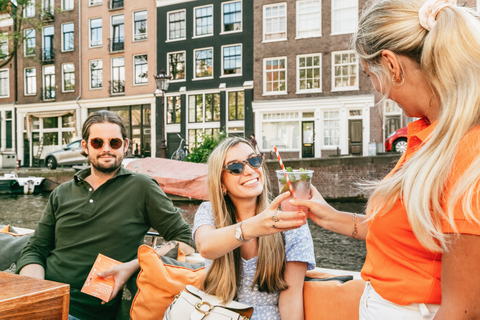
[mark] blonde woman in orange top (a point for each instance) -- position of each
(422, 222)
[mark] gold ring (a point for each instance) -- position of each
(274, 217)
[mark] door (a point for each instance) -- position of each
(26, 151)
(355, 138)
(136, 141)
(173, 141)
(34, 146)
(308, 141)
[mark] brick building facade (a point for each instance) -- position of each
(311, 98)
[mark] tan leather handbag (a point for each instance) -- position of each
(194, 304)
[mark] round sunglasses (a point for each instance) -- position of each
(97, 143)
(237, 167)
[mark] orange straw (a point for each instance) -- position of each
(284, 171)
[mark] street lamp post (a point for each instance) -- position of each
(163, 81)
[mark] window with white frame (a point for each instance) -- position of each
(3, 46)
(275, 75)
(48, 92)
(232, 16)
(140, 69)
(117, 41)
(345, 71)
(94, 2)
(281, 130)
(236, 105)
(204, 107)
(8, 139)
(331, 128)
(48, 34)
(96, 74)
(67, 32)
(4, 84)
(195, 135)
(68, 70)
(176, 65)
(30, 81)
(309, 73)
(30, 42)
(275, 22)
(116, 4)
(67, 5)
(203, 22)
(203, 63)
(29, 9)
(232, 60)
(140, 25)
(118, 75)
(174, 109)
(392, 114)
(96, 32)
(309, 18)
(195, 108)
(344, 16)
(55, 131)
(48, 8)
(176, 25)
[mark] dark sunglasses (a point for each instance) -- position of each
(97, 143)
(237, 167)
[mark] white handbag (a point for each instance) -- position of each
(194, 304)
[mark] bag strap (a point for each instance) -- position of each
(167, 312)
(202, 308)
(216, 302)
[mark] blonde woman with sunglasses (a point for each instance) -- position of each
(254, 253)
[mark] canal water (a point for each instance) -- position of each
(331, 250)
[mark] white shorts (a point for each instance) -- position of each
(374, 307)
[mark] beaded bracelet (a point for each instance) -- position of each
(355, 231)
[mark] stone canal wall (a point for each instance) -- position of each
(53, 178)
(338, 177)
(334, 177)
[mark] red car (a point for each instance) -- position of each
(397, 141)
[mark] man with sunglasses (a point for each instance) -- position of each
(104, 209)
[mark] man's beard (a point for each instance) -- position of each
(107, 169)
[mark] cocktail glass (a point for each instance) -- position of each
(300, 181)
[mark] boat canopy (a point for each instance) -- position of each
(185, 179)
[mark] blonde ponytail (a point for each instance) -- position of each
(449, 57)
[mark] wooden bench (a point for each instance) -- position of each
(29, 298)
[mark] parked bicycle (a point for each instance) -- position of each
(181, 151)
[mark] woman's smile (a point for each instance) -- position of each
(250, 182)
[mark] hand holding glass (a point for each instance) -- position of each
(300, 180)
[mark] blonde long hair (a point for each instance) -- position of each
(449, 57)
(223, 277)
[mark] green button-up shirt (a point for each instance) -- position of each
(79, 223)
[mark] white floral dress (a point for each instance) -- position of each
(298, 247)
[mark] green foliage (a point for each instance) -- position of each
(292, 177)
(12, 14)
(204, 146)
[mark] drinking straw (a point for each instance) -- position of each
(284, 171)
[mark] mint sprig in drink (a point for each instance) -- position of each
(300, 180)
